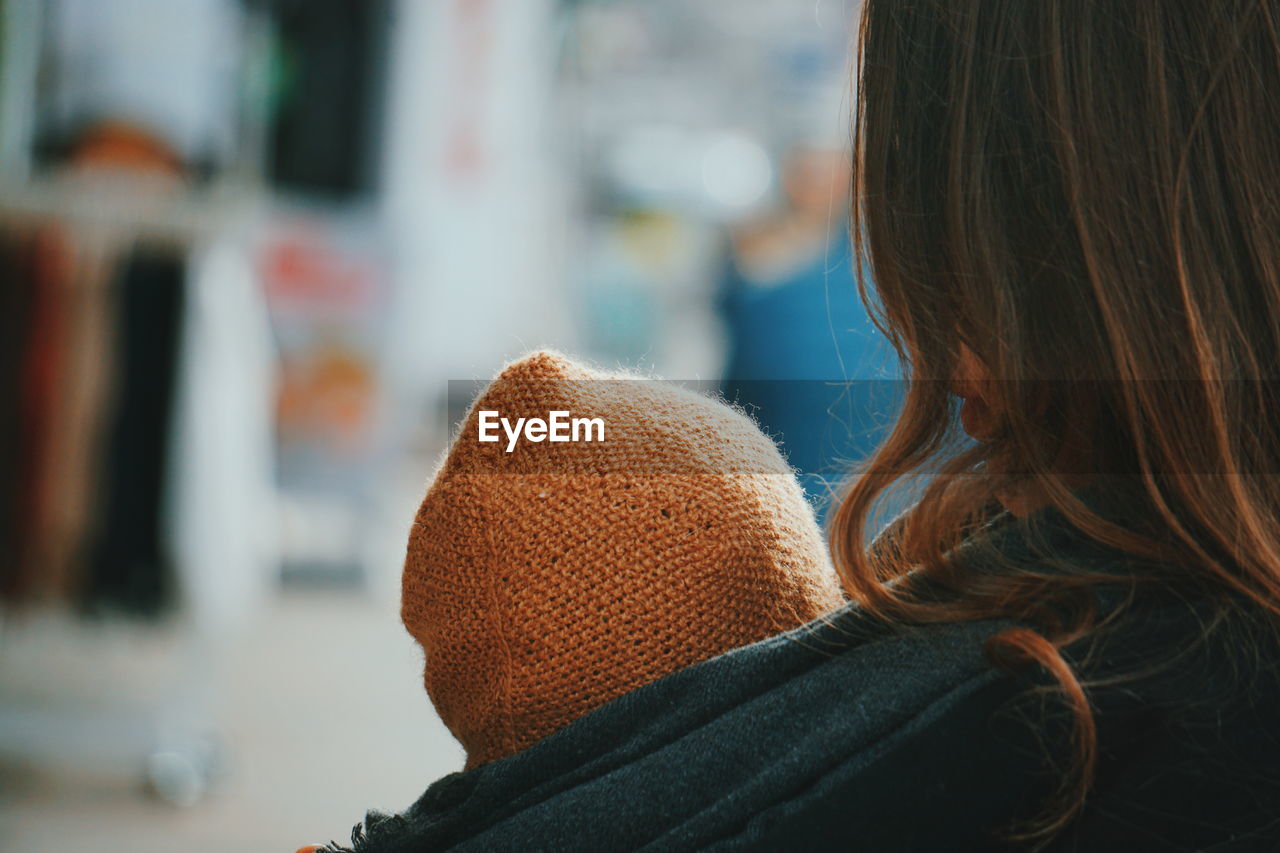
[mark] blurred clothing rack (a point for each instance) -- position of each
(191, 86)
(141, 461)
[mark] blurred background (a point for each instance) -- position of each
(247, 245)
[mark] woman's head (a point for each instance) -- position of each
(1071, 210)
(1083, 198)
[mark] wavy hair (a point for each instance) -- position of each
(1085, 196)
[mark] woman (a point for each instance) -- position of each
(1072, 214)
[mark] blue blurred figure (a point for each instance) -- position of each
(804, 357)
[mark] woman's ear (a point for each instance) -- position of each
(972, 382)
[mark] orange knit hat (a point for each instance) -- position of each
(546, 580)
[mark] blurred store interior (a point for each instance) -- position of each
(247, 244)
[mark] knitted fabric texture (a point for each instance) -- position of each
(543, 582)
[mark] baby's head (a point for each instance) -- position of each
(545, 580)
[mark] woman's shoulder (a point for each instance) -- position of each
(850, 731)
(1186, 695)
(842, 723)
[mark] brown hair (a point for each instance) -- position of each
(1085, 194)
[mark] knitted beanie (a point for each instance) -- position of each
(544, 578)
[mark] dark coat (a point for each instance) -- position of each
(849, 734)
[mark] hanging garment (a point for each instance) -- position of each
(71, 515)
(42, 375)
(14, 326)
(221, 480)
(129, 565)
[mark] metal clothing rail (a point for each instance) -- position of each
(132, 206)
